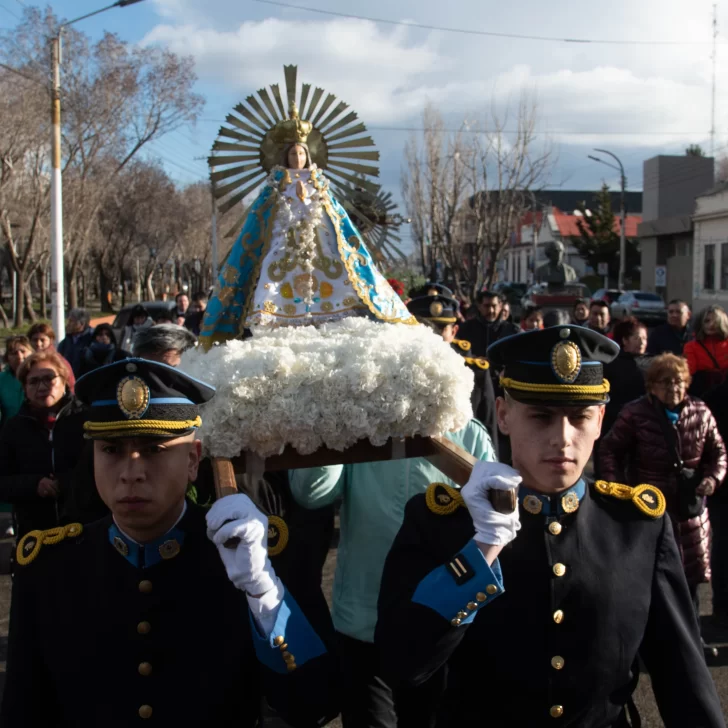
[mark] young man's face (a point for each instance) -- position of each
(599, 317)
(490, 308)
(449, 333)
(143, 480)
(678, 315)
(551, 445)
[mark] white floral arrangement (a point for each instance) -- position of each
(329, 386)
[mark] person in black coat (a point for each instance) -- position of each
(487, 327)
(673, 335)
(102, 350)
(40, 446)
(547, 623)
(157, 611)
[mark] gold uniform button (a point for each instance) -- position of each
(288, 657)
(278, 641)
(559, 569)
(472, 606)
(455, 622)
(557, 662)
(558, 616)
(480, 597)
(145, 669)
(556, 711)
(462, 615)
(145, 711)
(555, 528)
(291, 666)
(284, 647)
(144, 628)
(491, 588)
(145, 587)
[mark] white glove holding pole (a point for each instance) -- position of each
(247, 565)
(491, 527)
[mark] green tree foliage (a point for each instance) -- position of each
(694, 150)
(599, 237)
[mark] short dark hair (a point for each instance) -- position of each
(580, 302)
(598, 302)
(105, 329)
(530, 310)
(626, 328)
(162, 337)
(482, 295)
(679, 302)
(181, 293)
(199, 296)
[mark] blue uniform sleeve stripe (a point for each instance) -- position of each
(291, 643)
(457, 590)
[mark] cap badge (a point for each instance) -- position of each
(436, 308)
(566, 361)
(132, 395)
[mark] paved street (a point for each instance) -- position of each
(645, 702)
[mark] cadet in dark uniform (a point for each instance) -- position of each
(133, 617)
(440, 313)
(544, 628)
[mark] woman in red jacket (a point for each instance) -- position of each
(655, 437)
(708, 355)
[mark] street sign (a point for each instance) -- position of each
(603, 269)
(660, 276)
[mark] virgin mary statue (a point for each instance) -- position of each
(298, 259)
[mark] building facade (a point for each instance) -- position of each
(710, 248)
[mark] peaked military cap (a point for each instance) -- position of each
(561, 365)
(141, 398)
(438, 309)
(432, 289)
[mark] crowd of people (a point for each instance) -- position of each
(663, 416)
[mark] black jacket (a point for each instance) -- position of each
(664, 339)
(28, 452)
(627, 382)
(481, 334)
(93, 358)
(86, 631)
(553, 638)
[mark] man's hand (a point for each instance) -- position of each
(48, 488)
(706, 487)
(247, 565)
(493, 530)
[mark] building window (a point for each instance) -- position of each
(724, 267)
(709, 267)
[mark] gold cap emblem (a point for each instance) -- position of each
(132, 395)
(566, 361)
(436, 308)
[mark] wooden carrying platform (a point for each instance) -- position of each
(446, 456)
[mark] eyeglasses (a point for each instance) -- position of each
(35, 382)
(672, 383)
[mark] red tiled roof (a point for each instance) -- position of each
(569, 228)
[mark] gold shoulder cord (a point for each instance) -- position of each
(477, 362)
(30, 545)
(443, 503)
(280, 524)
(648, 499)
(464, 345)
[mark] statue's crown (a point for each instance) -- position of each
(291, 130)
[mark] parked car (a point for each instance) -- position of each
(647, 307)
(608, 295)
(155, 308)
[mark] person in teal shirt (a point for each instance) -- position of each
(373, 497)
(17, 350)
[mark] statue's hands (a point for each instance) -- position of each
(491, 528)
(247, 565)
(301, 191)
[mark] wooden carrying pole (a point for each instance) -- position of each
(454, 462)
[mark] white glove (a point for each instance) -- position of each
(247, 565)
(491, 527)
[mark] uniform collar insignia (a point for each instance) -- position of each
(559, 504)
(150, 554)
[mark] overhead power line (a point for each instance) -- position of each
(23, 75)
(493, 34)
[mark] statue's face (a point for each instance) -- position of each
(555, 253)
(296, 157)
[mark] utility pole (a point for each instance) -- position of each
(58, 296)
(622, 209)
(713, 59)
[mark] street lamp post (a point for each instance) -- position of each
(622, 236)
(57, 292)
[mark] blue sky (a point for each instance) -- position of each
(636, 100)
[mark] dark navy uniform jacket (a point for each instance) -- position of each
(106, 633)
(550, 635)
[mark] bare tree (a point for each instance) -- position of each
(467, 190)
